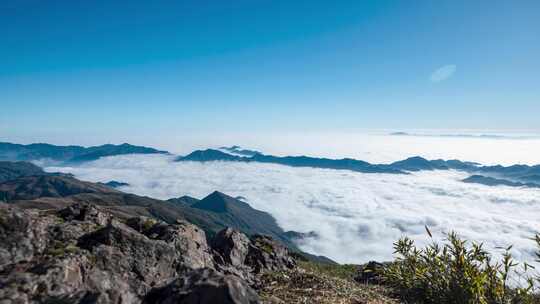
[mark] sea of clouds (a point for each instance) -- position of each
(356, 216)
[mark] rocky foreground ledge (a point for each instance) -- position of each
(82, 254)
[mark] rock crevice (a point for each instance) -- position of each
(82, 254)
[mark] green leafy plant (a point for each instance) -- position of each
(457, 271)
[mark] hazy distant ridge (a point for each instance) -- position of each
(515, 175)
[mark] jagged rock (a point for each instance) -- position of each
(82, 254)
(266, 253)
(69, 232)
(231, 248)
(246, 258)
(84, 212)
(141, 223)
(204, 286)
(260, 253)
(41, 262)
(22, 235)
(232, 245)
(120, 249)
(79, 219)
(188, 240)
(70, 279)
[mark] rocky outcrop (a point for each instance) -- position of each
(231, 247)
(370, 273)
(43, 262)
(86, 213)
(204, 286)
(247, 258)
(22, 235)
(143, 262)
(267, 254)
(188, 240)
(82, 254)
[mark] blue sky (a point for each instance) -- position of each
(85, 71)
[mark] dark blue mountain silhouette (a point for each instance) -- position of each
(520, 174)
(237, 150)
(293, 161)
(17, 152)
(490, 181)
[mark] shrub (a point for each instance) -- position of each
(148, 224)
(457, 271)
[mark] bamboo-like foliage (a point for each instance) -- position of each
(458, 272)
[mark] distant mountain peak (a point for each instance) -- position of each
(184, 200)
(416, 158)
(219, 194)
(414, 163)
(209, 155)
(239, 151)
(216, 202)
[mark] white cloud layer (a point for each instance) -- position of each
(443, 73)
(358, 216)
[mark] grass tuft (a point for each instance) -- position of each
(456, 272)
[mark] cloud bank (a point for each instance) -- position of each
(462, 135)
(356, 216)
(443, 73)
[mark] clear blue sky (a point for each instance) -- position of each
(118, 69)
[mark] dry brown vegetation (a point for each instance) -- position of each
(321, 284)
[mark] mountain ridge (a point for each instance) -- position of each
(11, 170)
(213, 213)
(513, 174)
(491, 181)
(70, 154)
(525, 174)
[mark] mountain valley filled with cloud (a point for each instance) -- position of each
(270, 152)
(355, 216)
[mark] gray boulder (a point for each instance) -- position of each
(246, 258)
(267, 254)
(143, 262)
(189, 242)
(204, 286)
(68, 279)
(23, 234)
(232, 246)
